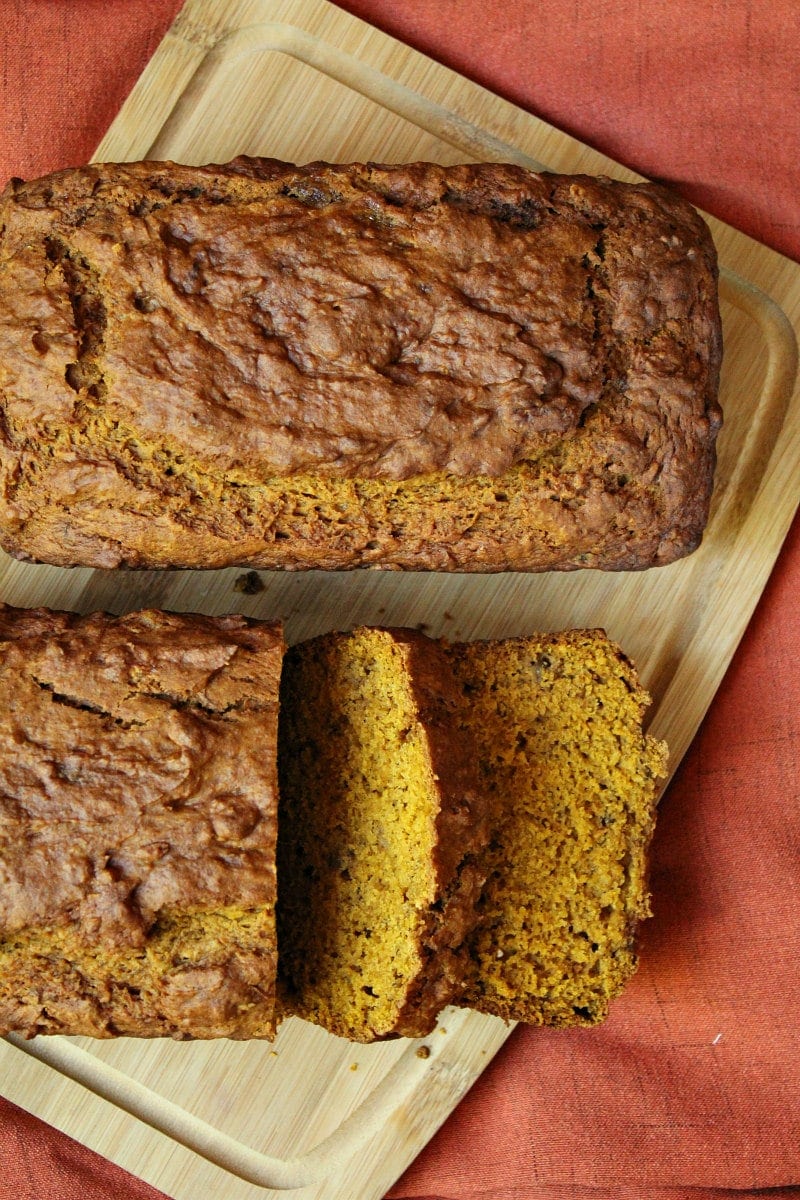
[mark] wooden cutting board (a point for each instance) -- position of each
(299, 79)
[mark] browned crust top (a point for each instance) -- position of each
(137, 769)
(166, 327)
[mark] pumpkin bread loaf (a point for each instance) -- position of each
(472, 368)
(138, 827)
(137, 824)
(378, 832)
(556, 725)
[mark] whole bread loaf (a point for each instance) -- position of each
(138, 812)
(473, 368)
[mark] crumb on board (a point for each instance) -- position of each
(250, 583)
(423, 1052)
(353, 1066)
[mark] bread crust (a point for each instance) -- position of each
(138, 820)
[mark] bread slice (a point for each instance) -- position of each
(378, 830)
(556, 724)
(137, 824)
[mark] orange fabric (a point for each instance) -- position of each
(692, 1088)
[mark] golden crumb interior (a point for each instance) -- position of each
(357, 832)
(556, 724)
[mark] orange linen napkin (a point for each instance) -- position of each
(690, 1090)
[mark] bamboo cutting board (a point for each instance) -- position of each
(299, 79)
